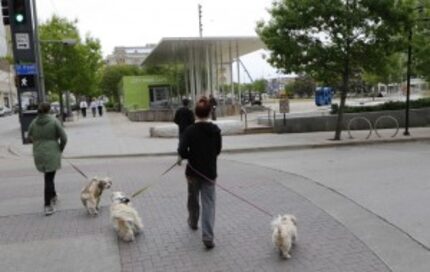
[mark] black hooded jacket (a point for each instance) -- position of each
(200, 145)
(183, 118)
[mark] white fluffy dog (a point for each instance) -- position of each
(284, 233)
(125, 219)
(91, 194)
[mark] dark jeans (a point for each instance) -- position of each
(49, 187)
(206, 190)
(84, 112)
(100, 108)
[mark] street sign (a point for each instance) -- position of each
(26, 69)
(22, 41)
(284, 105)
(25, 81)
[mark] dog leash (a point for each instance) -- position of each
(77, 169)
(138, 192)
(228, 191)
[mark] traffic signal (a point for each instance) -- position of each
(5, 11)
(19, 12)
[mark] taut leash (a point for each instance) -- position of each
(228, 191)
(77, 169)
(138, 192)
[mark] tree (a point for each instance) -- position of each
(69, 67)
(329, 39)
(112, 75)
(304, 86)
(421, 48)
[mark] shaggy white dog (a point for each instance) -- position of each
(91, 194)
(125, 219)
(284, 233)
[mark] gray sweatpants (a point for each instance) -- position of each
(206, 189)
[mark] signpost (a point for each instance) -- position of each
(22, 17)
(284, 107)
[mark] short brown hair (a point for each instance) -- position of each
(203, 108)
(44, 107)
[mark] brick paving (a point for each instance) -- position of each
(243, 236)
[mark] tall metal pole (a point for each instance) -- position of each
(408, 83)
(42, 93)
(200, 21)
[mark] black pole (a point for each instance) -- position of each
(408, 83)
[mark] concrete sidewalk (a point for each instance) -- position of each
(72, 241)
(113, 135)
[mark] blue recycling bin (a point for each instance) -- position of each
(323, 96)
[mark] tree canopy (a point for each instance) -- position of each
(73, 67)
(329, 39)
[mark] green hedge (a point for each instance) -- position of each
(390, 105)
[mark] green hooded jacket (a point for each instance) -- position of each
(49, 140)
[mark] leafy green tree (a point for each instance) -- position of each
(112, 75)
(68, 67)
(304, 86)
(421, 48)
(329, 39)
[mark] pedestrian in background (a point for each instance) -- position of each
(49, 140)
(100, 104)
(201, 144)
(83, 106)
(213, 104)
(93, 106)
(184, 117)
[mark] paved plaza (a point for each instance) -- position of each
(340, 228)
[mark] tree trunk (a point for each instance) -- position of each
(339, 122)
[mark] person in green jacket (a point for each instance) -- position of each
(49, 140)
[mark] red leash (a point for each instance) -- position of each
(228, 191)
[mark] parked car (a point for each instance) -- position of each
(4, 111)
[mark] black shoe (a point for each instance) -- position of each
(209, 244)
(192, 226)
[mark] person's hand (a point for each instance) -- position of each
(179, 161)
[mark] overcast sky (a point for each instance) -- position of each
(138, 22)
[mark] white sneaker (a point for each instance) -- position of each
(49, 210)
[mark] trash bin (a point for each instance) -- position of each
(323, 96)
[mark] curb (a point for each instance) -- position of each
(330, 144)
(260, 149)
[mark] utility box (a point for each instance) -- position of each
(323, 96)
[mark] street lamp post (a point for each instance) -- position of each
(408, 83)
(420, 8)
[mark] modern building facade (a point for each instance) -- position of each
(129, 55)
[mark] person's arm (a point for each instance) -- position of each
(218, 143)
(183, 149)
(176, 119)
(61, 134)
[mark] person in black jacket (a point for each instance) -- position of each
(201, 144)
(184, 117)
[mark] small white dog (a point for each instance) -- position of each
(125, 219)
(91, 194)
(284, 233)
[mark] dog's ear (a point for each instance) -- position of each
(293, 219)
